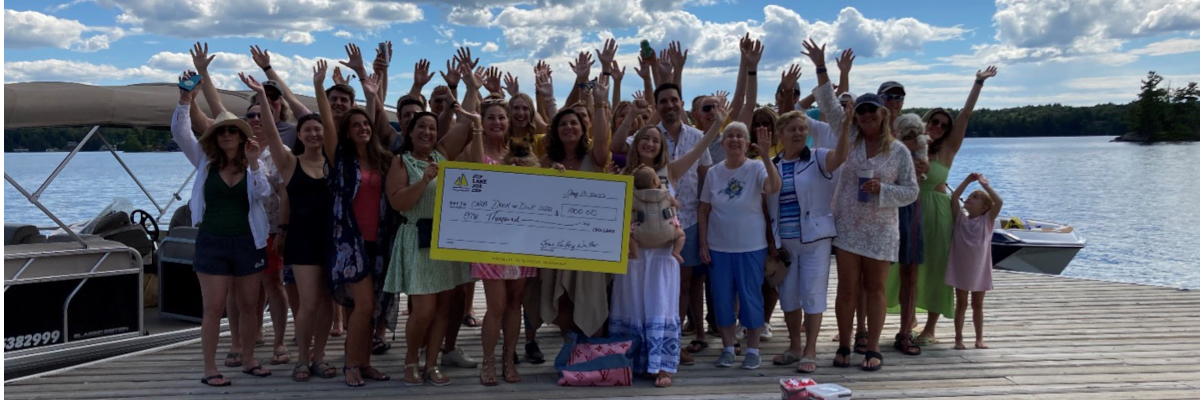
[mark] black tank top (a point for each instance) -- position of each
(310, 204)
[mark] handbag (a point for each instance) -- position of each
(424, 232)
(777, 268)
(596, 362)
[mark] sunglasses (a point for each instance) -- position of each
(229, 130)
(866, 108)
(943, 125)
(707, 107)
(253, 115)
(892, 97)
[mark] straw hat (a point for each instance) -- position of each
(225, 119)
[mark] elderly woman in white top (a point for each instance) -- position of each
(732, 242)
(877, 178)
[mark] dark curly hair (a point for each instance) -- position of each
(556, 149)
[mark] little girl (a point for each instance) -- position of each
(655, 215)
(970, 263)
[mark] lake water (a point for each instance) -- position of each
(1138, 206)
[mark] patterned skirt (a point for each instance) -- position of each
(645, 304)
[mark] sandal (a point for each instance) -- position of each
(379, 346)
(904, 344)
(301, 373)
(487, 374)
(258, 371)
(925, 341)
(435, 376)
(323, 370)
(663, 380)
(685, 358)
(281, 357)
(373, 374)
(510, 373)
(233, 359)
(787, 358)
(860, 343)
(807, 361)
(697, 346)
(413, 378)
(843, 352)
(470, 321)
(875, 355)
(208, 380)
(349, 373)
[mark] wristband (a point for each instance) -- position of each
(453, 87)
(266, 68)
(822, 70)
(752, 73)
(979, 82)
(607, 73)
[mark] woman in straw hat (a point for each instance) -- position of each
(227, 206)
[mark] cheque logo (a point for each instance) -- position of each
(460, 184)
(477, 182)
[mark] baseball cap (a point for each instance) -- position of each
(272, 85)
(890, 85)
(869, 98)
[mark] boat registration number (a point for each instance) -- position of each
(34, 340)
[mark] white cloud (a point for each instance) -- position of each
(490, 47)
(343, 34)
(288, 22)
(31, 29)
(79, 71)
(469, 16)
(1180, 15)
(1170, 46)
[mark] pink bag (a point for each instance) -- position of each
(596, 362)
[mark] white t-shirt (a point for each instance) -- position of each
(736, 223)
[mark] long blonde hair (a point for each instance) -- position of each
(885, 130)
(634, 159)
(527, 132)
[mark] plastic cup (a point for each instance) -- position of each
(864, 175)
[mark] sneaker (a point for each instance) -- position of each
(458, 358)
(725, 360)
(766, 334)
(751, 361)
(533, 353)
(739, 332)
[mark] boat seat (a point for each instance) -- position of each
(64, 259)
(65, 238)
(18, 233)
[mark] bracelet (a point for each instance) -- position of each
(453, 87)
(266, 68)
(607, 73)
(822, 70)
(979, 82)
(752, 73)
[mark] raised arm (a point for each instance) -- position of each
(752, 54)
(544, 90)
(739, 91)
(606, 58)
(997, 202)
(583, 68)
(618, 144)
(181, 124)
(201, 60)
(644, 70)
(787, 91)
(826, 99)
(200, 122)
(678, 167)
(467, 121)
(835, 158)
(618, 74)
(773, 182)
(263, 59)
(601, 132)
(284, 161)
(491, 82)
(383, 60)
(955, 140)
(421, 77)
(456, 140)
(387, 133)
(331, 133)
(844, 62)
(956, 197)
(678, 58)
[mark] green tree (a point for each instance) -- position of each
(1148, 116)
(133, 145)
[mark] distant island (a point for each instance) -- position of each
(1158, 115)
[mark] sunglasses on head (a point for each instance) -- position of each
(707, 107)
(891, 97)
(253, 115)
(866, 108)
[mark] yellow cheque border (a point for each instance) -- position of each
(487, 257)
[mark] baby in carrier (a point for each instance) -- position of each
(655, 215)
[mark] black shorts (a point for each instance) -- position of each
(228, 255)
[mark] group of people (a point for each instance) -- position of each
(339, 204)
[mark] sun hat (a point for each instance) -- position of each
(226, 119)
(889, 85)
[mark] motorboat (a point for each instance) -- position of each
(1028, 245)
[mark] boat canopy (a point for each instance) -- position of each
(147, 105)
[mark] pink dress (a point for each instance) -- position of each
(500, 272)
(970, 262)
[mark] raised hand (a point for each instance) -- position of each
(846, 60)
(421, 74)
(639, 95)
(370, 85)
(600, 91)
(200, 57)
(640, 105)
(186, 96)
(451, 75)
(464, 57)
(643, 68)
(582, 66)
(251, 83)
(544, 85)
(355, 63)
(253, 150)
(618, 72)
(261, 57)
(721, 95)
(431, 172)
(511, 85)
(491, 79)
(338, 79)
(721, 111)
(764, 141)
(610, 51)
(986, 73)
(473, 79)
(678, 54)
(463, 115)
(814, 53)
(542, 66)
(788, 79)
(665, 66)
(983, 181)
(319, 74)
(752, 54)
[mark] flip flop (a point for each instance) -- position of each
(379, 346)
(924, 341)
(875, 355)
(470, 321)
(208, 379)
(236, 357)
(787, 358)
(697, 346)
(281, 357)
(807, 361)
(257, 371)
(844, 352)
(373, 374)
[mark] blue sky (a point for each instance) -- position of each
(1053, 51)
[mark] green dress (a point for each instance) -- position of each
(411, 270)
(933, 294)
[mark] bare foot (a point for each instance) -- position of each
(959, 345)
(979, 344)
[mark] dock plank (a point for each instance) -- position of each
(1050, 338)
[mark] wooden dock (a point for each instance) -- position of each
(1050, 338)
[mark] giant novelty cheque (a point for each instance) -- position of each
(531, 217)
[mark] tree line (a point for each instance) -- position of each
(1165, 114)
(124, 139)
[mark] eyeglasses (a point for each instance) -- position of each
(892, 97)
(229, 130)
(707, 107)
(866, 108)
(937, 123)
(253, 115)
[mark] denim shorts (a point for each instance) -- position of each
(228, 255)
